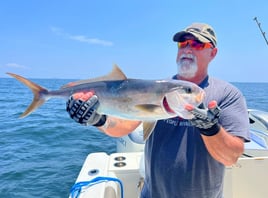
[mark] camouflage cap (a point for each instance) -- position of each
(201, 31)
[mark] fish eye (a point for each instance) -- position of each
(188, 90)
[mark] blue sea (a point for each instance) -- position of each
(42, 154)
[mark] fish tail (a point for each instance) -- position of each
(38, 92)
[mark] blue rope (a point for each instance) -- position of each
(77, 187)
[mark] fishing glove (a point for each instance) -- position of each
(84, 112)
(206, 119)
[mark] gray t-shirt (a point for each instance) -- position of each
(177, 163)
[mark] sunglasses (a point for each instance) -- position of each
(194, 44)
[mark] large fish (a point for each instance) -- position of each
(119, 96)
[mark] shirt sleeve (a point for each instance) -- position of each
(234, 115)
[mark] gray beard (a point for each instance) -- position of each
(187, 68)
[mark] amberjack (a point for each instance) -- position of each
(126, 98)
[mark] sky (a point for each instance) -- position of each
(80, 39)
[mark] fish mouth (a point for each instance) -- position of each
(174, 102)
(167, 107)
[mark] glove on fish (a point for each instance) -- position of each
(84, 112)
(206, 119)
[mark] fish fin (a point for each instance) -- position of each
(148, 107)
(37, 90)
(148, 128)
(115, 74)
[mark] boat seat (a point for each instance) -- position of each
(96, 165)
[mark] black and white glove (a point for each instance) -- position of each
(206, 119)
(84, 112)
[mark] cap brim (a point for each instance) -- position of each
(179, 36)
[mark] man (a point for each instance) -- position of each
(185, 158)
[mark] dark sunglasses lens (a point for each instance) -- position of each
(197, 45)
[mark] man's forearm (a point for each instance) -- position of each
(117, 127)
(224, 147)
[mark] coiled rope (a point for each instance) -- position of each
(77, 187)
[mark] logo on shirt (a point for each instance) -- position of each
(178, 122)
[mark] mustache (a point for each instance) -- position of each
(188, 56)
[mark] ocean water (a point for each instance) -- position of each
(42, 154)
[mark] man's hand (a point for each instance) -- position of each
(206, 119)
(82, 108)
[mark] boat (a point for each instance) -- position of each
(120, 174)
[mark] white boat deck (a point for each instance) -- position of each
(102, 174)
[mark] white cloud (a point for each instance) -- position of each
(56, 30)
(84, 39)
(81, 38)
(15, 65)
